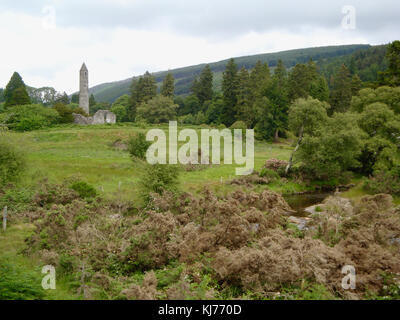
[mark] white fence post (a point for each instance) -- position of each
(5, 219)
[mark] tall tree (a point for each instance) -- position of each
(393, 56)
(244, 105)
(142, 90)
(229, 89)
(168, 86)
(356, 85)
(92, 101)
(75, 98)
(14, 84)
(205, 85)
(340, 98)
(259, 78)
(19, 97)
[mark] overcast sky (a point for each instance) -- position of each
(47, 41)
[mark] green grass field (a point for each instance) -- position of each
(87, 153)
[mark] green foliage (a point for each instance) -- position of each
(158, 178)
(384, 181)
(239, 125)
(18, 283)
(341, 94)
(333, 148)
(387, 95)
(392, 75)
(184, 76)
(12, 162)
(229, 88)
(168, 86)
(270, 174)
(84, 189)
(308, 114)
(204, 88)
(138, 145)
(65, 112)
(157, 110)
(30, 117)
(15, 92)
(142, 90)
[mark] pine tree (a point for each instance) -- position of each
(229, 89)
(205, 85)
(22, 96)
(92, 101)
(393, 56)
(19, 97)
(356, 85)
(340, 98)
(142, 90)
(168, 86)
(259, 78)
(280, 74)
(75, 98)
(243, 106)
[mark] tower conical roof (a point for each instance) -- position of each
(84, 67)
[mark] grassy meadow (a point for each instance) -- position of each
(88, 153)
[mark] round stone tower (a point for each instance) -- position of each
(84, 89)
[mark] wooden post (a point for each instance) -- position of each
(5, 219)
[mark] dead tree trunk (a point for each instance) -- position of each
(289, 166)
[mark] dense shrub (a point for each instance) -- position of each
(385, 181)
(138, 145)
(84, 189)
(65, 112)
(30, 117)
(17, 283)
(239, 125)
(12, 163)
(158, 178)
(157, 110)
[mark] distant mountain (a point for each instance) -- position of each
(109, 92)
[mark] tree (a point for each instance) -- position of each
(393, 56)
(229, 89)
(92, 101)
(75, 98)
(333, 148)
(244, 106)
(259, 78)
(168, 86)
(305, 117)
(319, 89)
(300, 80)
(62, 98)
(19, 98)
(16, 83)
(142, 90)
(356, 85)
(1, 95)
(120, 108)
(160, 109)
(340, 98)
(204, 91)
(387, 95)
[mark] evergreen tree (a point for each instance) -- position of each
(142, 90)
(205, 85)
(243, 106)
(21, 96)
(168, 86)
(229, 89)
(280, 74)
(393, 56)
(92, 101)
(319, 89)
(259, 78)
(340, 98)
(75, 98)
(356, 85)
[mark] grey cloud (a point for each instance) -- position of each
(216, 19)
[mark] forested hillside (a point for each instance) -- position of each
(184, 77)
